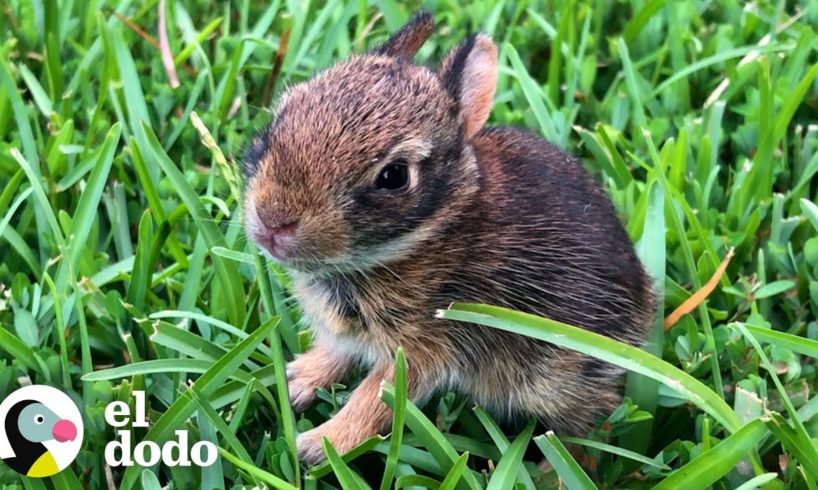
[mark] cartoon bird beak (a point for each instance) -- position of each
(64, 430)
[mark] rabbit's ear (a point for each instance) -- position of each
(407, 41)
(469, 73)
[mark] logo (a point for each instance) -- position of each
(40, 431)
(120, 452)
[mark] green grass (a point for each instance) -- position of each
(125, 266)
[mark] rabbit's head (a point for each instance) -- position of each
(361, 163)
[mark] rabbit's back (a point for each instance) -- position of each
(554, 239)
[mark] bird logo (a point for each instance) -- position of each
(41, 431)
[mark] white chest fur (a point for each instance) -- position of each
(329, 323)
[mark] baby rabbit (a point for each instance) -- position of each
(378, 187)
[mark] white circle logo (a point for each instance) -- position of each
(40, 431)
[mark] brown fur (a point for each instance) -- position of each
(494, 215)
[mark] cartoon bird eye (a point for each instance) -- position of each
(39, 419)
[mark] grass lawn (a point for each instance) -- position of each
(124, 265)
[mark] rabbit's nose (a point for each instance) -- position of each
(280, 240)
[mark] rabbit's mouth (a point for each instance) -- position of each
(280, 242)
(321, 268)
(292, 254)
(291, 250)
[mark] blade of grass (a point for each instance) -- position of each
(193, 345)
(398, 419)
(221, 427)
(425, 430)
(501, 442)
(677, 226)
(800, 345)
(287, 416)
(159, 366)
(416, 481)
(13, 209)
(616, 450)
(600, 347)
(19, 350)
(757, 482)
(641, 18)
(188, 50)
(22, 248)
(241, 257)
(794, 443)
(510, 465)
(20, 112)
(206, 385)
(41, 99)
(716, 59)
(652, 251)
(230, 329)
(567, 468)
(810, 210)
(152, 196)
(139, 282)
(454, 475)
(637, 104)
(133, 95)
(325, 468)
(66, 479)
(348, 479)
(533, 95)
(59, 325)
(40, 197)
(805, 442)
(226, 270)
(256, 472)
(713, 464)
(86, 213)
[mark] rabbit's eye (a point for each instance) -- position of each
(393, 177)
